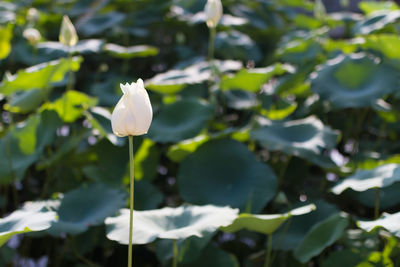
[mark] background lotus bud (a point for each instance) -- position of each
(32, 15)
(68, 34)
(213, 10)
(133, 113)
(32, 35)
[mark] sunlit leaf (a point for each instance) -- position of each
(376, 21)
(252, 79)
(57, 49)
(175, 80)
(305, 138)
(169, 223)
(25, 220)
(130, 52)
(6, 34)
(71, 105)
(384, 43)
(363, 180)
(146, 160)
(264, 223)
(276, 108)
(388, 221)
(180, 150)
(40, 76)
(369, 7)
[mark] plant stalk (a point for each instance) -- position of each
(269, 247)
(131, 174)
(376, 203)
(175, 259)
(213, 31)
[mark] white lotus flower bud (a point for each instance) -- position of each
(68, 34)
(32, 35)
(213, 10)
(133, 113)
(32, 14)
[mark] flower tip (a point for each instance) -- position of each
(140, 83)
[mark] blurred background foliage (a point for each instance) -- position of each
(294, 126)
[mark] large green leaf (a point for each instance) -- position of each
(289, 237)
(100, 22)
(370, 80)
(388, 221)
(239, 99)
(264, 223)
(29, 218)
(169, 223)
(299, 50)
(363, 180)
(387, 196)
(40, 76)
(23, 144)
(26, 101)
(237, 45)
(321, 236)
(175, 80)
(86, 206)
(275, 108)
(109, 164)
(253, 79)
(147, 196)
(225, 172)
(305, 138)
(347, 257)
(179, 121)
(130, 52)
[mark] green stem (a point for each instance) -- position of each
(213, 31)
(269, 247)
(131, 172)
(376, 203)
(69, 83)
(282, 235)
(175, 259)
(79, 256)
(283, 170)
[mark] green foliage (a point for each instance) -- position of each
(280, 151)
